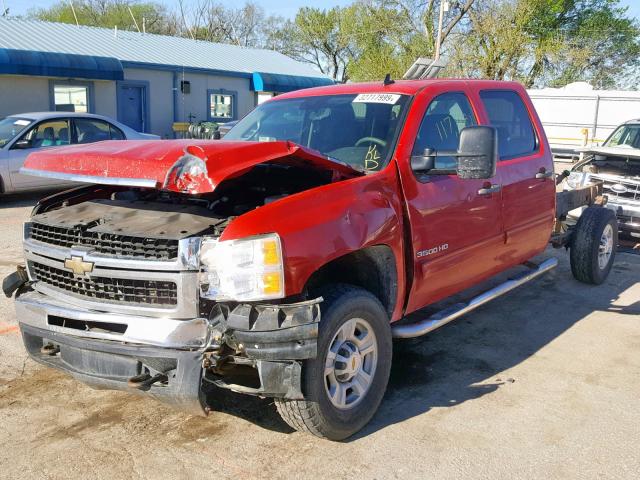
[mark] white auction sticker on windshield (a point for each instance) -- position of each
(22, 123)
(390, 98)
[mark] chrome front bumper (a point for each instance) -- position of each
(107, 350)
(37, 310)
(628, 215)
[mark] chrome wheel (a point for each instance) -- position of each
(606, 247)
(350, 364)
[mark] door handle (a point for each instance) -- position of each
(542, 174)
(490, 190)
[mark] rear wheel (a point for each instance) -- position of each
(345, 384)
(594, 244)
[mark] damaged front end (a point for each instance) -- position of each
(252, 349)
(618, 168)
(259, 347)
(134, 288)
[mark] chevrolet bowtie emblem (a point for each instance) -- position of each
(78, 266)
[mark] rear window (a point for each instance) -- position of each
(508, 114)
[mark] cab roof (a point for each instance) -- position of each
(405, 87)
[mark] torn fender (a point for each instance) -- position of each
(186, 166)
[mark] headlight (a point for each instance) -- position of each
(242, 270)
(575, 179)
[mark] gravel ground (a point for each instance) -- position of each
(541, 383)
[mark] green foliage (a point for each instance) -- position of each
(109, 13)
(318, 37)
(550, 42)
(537, 42)
(385, 40)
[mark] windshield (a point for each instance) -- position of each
(10, 127)
(358, 130)
(625, 136)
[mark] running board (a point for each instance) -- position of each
(445, 316)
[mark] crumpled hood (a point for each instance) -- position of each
(624, 152)
(188, 166)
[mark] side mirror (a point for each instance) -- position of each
(22, 144)
(424, 162)
(477, 152)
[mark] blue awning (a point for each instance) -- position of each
(48, 64)
(275, 82)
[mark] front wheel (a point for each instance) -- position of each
(345, 383)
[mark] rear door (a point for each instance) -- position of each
(525, 168)
(456, 231)
(90, 130)
(47, 134)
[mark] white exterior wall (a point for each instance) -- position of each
(20, 94)
(105, 98)
(577, 115)
(160, 92)
(161, 96)
(195, 103)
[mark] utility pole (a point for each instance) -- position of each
(444, 7)
(73, 10)
(135, 22)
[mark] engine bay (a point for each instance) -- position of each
(160, 214)
(610, 165)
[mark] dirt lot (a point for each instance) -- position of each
(542, 383)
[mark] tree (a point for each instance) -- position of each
(549, 42)
(109, 13)
(318, 37)
(368, 39)
(247, 26)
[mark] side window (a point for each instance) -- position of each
(440, 129)
(116, 133)
(52, 133)
(508, 114)
(90, 131)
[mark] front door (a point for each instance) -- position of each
(456, 230)
(132, 105)
(525, 168)
(46, 134)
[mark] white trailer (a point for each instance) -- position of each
(576, 116)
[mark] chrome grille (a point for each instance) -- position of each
(105, 243)
(116, 290)
(619, 188)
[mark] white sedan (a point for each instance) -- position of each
(23, 134)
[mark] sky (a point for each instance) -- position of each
(287, 8)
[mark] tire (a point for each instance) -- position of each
(595, 233)
(344, 306)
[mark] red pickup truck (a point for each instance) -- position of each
(281, 261)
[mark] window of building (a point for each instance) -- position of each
(222, 105)
(71, 98)
(264, 96)
(508, 114)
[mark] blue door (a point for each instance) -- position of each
(132, 106)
